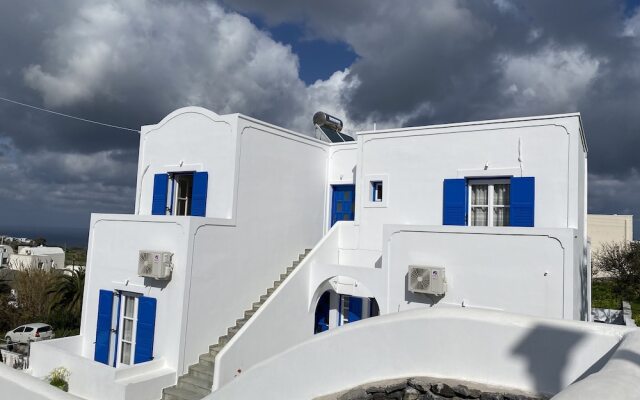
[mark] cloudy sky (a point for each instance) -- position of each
(130, 62)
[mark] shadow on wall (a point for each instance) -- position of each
(159, 284)
(422, 298)
(546, 350)
(629, 356)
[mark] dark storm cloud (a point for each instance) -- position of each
(447, 61)
(418, 62)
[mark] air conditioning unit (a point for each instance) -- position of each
(155, 264)
(429, 280)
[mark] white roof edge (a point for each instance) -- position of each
(273, 126)
(471, 123)
(484, 122)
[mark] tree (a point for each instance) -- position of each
(39, 241)
(67, 291)
(622, 263)
(32, 294)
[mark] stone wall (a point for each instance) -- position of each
(422, 388)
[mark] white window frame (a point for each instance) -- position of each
(174, 189)
(134, 329)
(490, 204)
(376, 191)
(386, 190)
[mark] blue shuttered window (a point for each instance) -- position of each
(145, 329)
(523, 193)
(160, 188)
(103, 328)
(454, 210)
(199, 194)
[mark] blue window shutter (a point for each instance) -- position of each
(523, 194)
(160, 185)
(145, 329)
(454, 210)
(355, 309)
(103, 329)
(199, 194)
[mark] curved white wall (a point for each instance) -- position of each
(531, 354)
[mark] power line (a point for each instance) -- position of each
(69, 116)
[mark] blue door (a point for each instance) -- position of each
(343, 203)
(355, 309)
(322, 313)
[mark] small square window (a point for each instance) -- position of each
(376, 191)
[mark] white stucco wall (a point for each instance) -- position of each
(191, 139)
(501, 349)
(16, 384)
(521, 270)
(280, 213)
(112, 264)
(415, 161)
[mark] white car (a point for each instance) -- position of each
(30, 333)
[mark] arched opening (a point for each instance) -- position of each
(339, 305)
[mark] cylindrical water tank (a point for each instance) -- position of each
(323, 119)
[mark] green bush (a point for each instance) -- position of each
(58, 378)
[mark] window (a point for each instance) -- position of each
(182, 191)
(19, 330)
(489, 203)
(44, 329)
(376, 191)
(127, 330)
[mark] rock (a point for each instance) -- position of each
(466, 393)
(491, 396)
(411, 393)
(355, 394)
(431, 396)
(442, 389)
(422, 384)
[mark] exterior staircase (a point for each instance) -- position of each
(197, 383)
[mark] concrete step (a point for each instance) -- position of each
(283, 277)
(242, 321)
(193, 385)
(263, 298)
(256, 305)
(232, 331)
(295, 263)
(207, 359)
(290, 269)
(270, 291)
(201, 383)
(249, 313)
(214, 349)
(201, 371)
(175, 393)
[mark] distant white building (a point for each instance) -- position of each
(5, 252)
(605, 229)
(196, 292)
(37, 257)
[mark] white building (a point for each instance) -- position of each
(37, 257)
(609, 229)
(499, 205)
(5, 252)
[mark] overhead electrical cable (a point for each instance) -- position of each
(69, 116)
